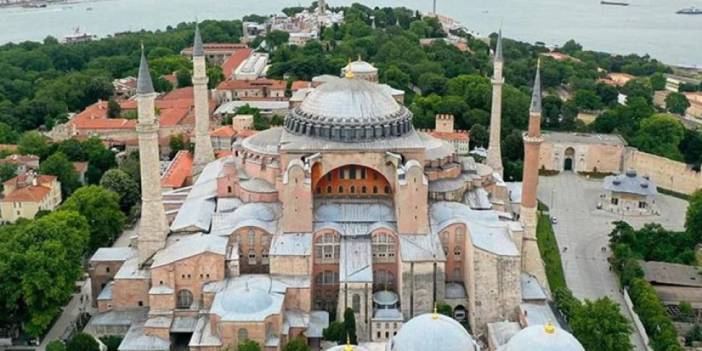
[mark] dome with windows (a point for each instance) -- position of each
(433, 331)
(349, 110)
(543, 338)
(237, 303)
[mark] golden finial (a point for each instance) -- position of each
(435, 316)
(348, 346)
(549, 328)
(348, 73)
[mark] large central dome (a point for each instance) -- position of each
(349, 110)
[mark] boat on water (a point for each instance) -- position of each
(690, 11)
(614, 3)
(78, 37)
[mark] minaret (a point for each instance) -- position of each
(321, 6)
(152, 227)
(531, 258)
(494, 157)
(203, 144)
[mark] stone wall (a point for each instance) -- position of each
(666, 173)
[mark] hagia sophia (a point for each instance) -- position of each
(344, 206)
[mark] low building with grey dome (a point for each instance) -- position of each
(629, 194)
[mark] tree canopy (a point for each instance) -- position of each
(101, 208)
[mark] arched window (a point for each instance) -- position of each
(329, 189)
(326, 278)
(242, 335)
(252, 237)
(383, 247)
(364, 189)
(387, 189)
(353, 189)
(341, 189)
(375, 189)
(457, 251)
(356, 302)
(264, 256)
(185, 299)
(327, 248)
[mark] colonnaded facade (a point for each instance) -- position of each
(345, 206)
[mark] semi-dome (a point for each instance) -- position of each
(433, 332)
(543, 338)
(246, 301)
(349, 110)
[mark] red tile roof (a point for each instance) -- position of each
(221, 154)
(233, 62)
(233, 84)
(223, 132)
(451, 136)
(179, 171)
(300, 84)
(28, 194)
(41, 179)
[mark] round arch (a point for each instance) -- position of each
(569, 159)
(351, 180)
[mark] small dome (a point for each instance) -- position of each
(246, 301)
(360, 66)
(385, 298)
(346, 109)
(543, 338)
(433, 332)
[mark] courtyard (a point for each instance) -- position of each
(582, 232)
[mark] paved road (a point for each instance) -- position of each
(77, 305)
(584, 231)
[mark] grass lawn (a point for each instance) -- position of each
(548, 247)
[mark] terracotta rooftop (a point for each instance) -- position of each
(300, 84)
(20, 159)
(9, 147)
(179, 171)
(450, 136)
(223, 132)
(41, 179)
(233, 84)
(236, 59)
(28, 194)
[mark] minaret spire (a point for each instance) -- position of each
(153, 227)
(531, 258)
(203, 144)
(494, 157)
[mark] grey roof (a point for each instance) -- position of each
(130, 270)
(433, 332)
(531, 289)
(388, 314)
(159, 322)
(360, 66)
(137, 340)
(385, 297)
(436, 149)
(256, 214)
(515, 192)
(537, 313)
(478, 199)
(355, 264)
(583, 138)
(361, 211)
(144, 83)
(184, 324)
(106, 293)
(486, 230)
(535, 337)
(198, 48)
(196, 213)
(498, 47)
(190, 246)
(664, 273)
(264, 142)
(421, 248)
(203, 335)
(630, 183)
(248, 300)
(319, 320)
(108, 254)
(349, 110)
(115, 318)
(293, 142)
(292, 245)
(447, 184)
(536, 92)
(257, 185)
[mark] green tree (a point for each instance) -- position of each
(33, 143)
(693, 218)
(56, 345)
(120, 183)
(587, 100)
(658, 81)
(334, 332)
(444, 309)
(638, 88)
(112, 342)
(183, 78)
(178, 142)
(599, 325)
(82, 342)
(677, 103)
(101, 207)
(350, 327)
(58, 165)
(276, 38)
(479, 135)
(297, 344)
(660, 134)
(7, 134)
(249, 345)
(114, 110)
(7, 172)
